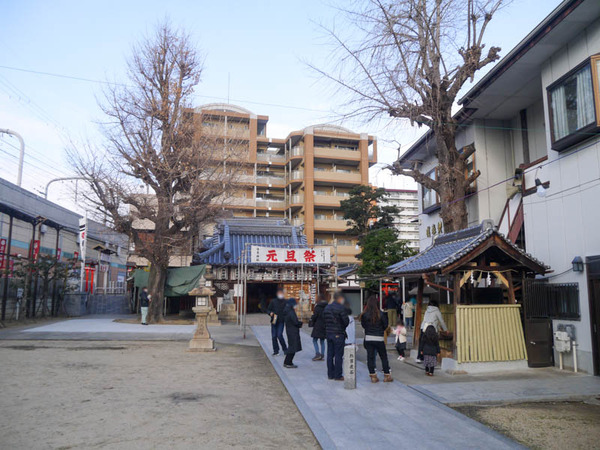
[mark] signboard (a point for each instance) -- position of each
(82, 236)
(271, 255)
(2, 252)
(58, 253)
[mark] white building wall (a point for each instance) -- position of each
(564, 224)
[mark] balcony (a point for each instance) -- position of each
(271, 181)
(338, 176)
(297, 175)
(331, 224)
(334, 153)
(328, 200)
(297, 222)
(270, 203)
(297, 152)
(238, 201)
(266, 157)
(297, 199)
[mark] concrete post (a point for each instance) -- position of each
(350, 367)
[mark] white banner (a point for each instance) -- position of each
(82, 237)
(274, 255)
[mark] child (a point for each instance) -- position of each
(431, 348)
(400, 332)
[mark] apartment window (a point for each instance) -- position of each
(574, 102)
(321, 217)
(430, 197)
(321, 241)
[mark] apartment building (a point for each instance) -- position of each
(534, 120)
(407, 221)
(301, 178)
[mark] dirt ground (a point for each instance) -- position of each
(111, 394)
(548, 425)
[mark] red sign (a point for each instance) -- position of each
(36, 249)
(76, 256)
(2, 252)
(58, 254)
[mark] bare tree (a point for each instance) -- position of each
(409, 59)
(156, 142)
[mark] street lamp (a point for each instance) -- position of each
(21, 154)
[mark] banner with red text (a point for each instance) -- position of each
(274, 255)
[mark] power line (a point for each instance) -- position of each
(110, 83)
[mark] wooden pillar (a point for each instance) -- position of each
(511, 289)
(417, 332)
(455, 303)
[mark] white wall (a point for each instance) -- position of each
(564, 224)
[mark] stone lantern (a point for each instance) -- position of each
(202, 342)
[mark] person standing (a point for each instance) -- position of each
(375, 322)
(275, 310)
(317, 322)
(431, 348)
(292, 329)
(433, 317)
(336, 321)
(408, 310)
(145, 300)
(391, 305)
(400, 332)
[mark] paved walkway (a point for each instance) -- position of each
(374, 415)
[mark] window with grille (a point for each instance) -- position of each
(545, 300)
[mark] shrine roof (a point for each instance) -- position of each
(451, 248)
(232, 236)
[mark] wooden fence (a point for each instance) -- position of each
(489, 333)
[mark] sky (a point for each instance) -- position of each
(256, 54)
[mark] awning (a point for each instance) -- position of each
(180, 280)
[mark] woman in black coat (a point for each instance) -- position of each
(317, 321)
(375, 322)
(292, 329)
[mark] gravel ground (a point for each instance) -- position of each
(75, 394)
(548, 425)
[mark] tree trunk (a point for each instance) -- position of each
(156, 288)
(452, 175)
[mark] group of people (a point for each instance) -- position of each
(333, 323)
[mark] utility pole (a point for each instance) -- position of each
(21, 155)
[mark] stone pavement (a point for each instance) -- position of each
(562, 386)
(374, 415)
(104, 328)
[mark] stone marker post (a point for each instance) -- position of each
(201, 341)
(350, 367)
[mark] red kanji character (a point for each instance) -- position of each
(291, 256)
(310, 255)
(271, 255)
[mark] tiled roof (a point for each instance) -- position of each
(449, 248)
(232, 236)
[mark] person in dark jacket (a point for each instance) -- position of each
(292, 329)
(431, 348)
(336, 321)
(375, 322)
(145, 300)
(275, 310)
(391, 306)
(317, 322)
